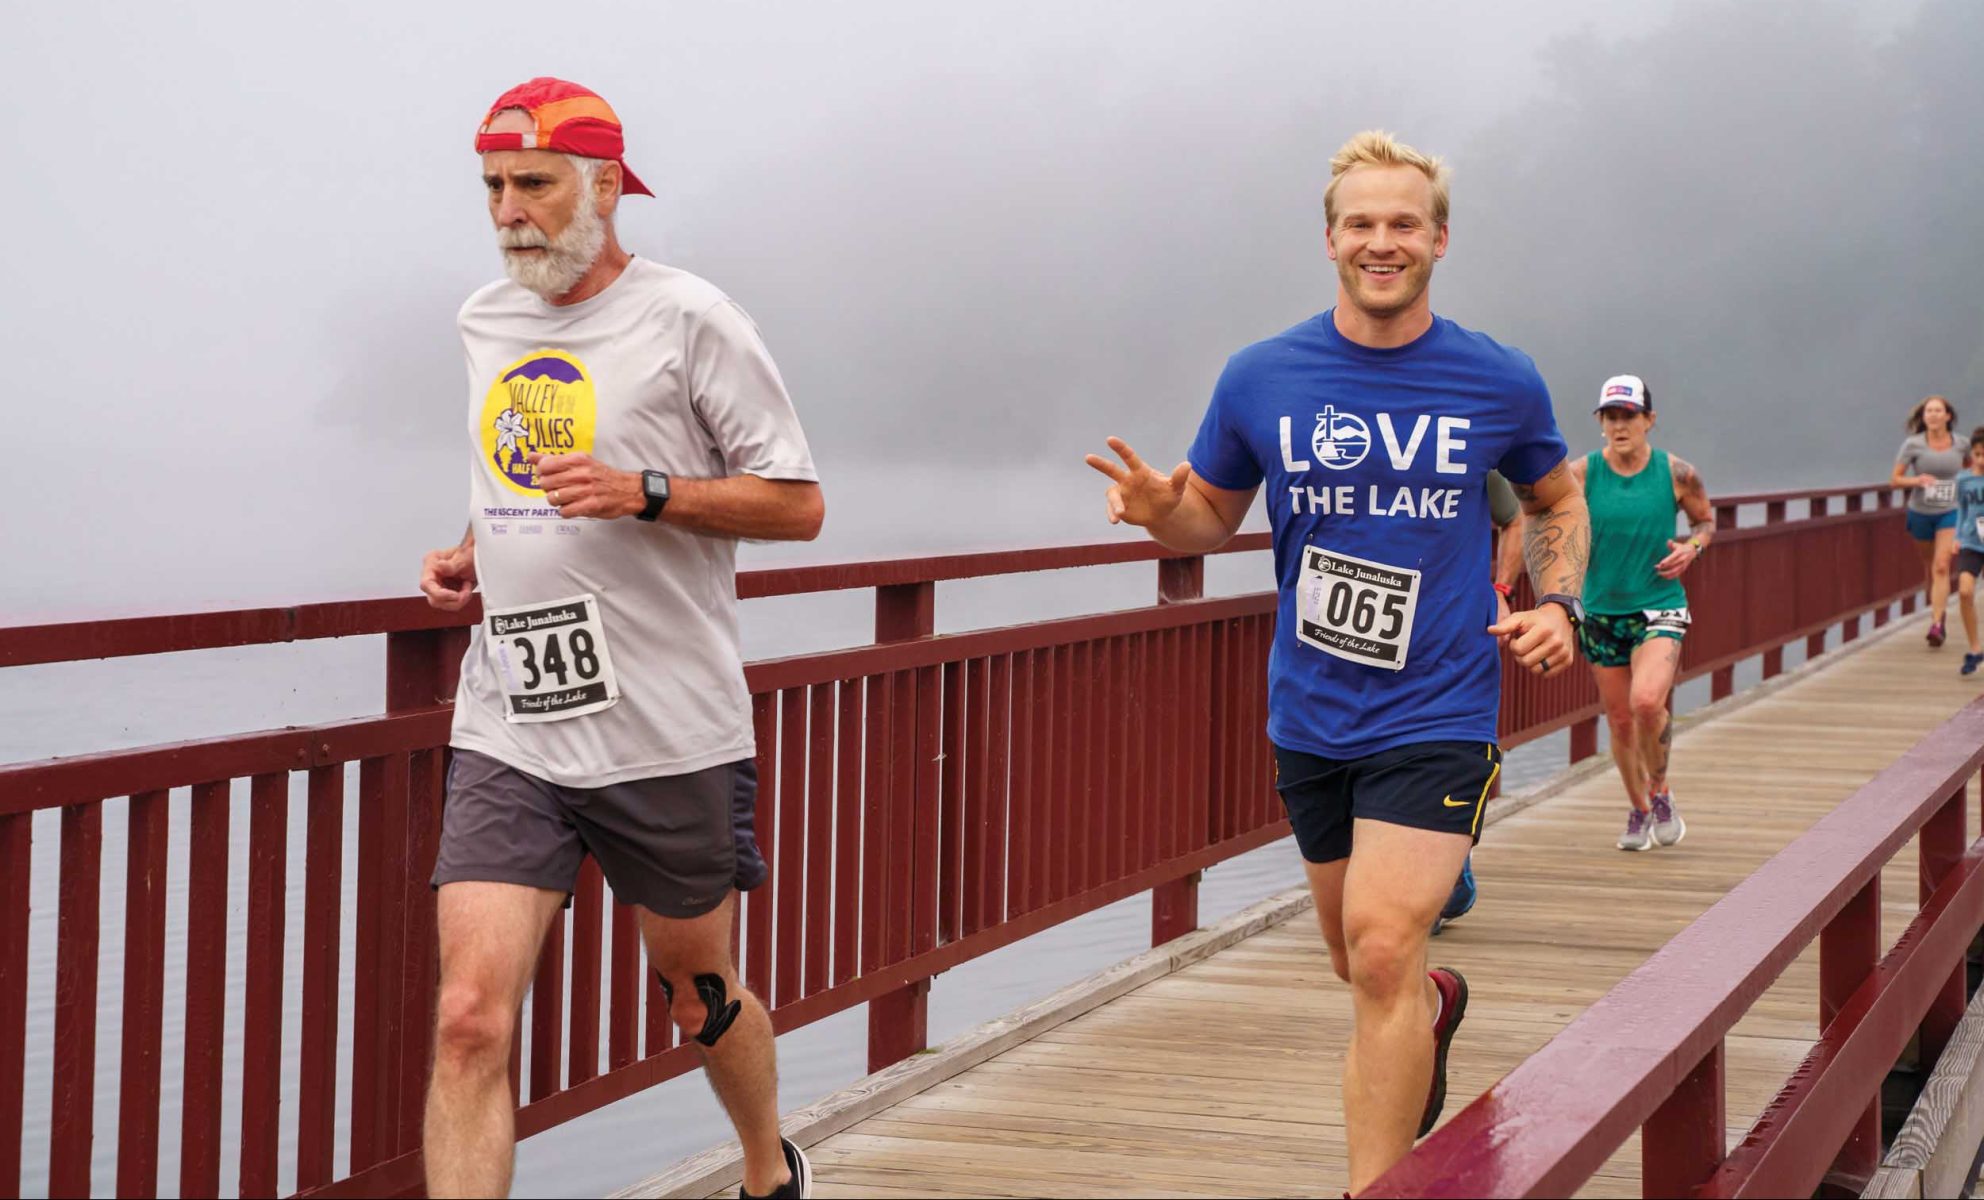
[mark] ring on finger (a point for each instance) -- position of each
(1543, 667)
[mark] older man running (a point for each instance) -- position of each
(625, 427)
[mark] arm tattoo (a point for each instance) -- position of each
(1692, 494)
(1557, 548)
(1526, 492)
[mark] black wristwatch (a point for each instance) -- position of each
(1570, 604)
(654, 484)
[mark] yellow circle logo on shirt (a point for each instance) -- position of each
(542, 403)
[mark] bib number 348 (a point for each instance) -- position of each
(553, 659)
(1356, 609)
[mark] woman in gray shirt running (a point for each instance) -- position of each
(1927, 465)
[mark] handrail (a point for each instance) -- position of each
(23, 645)
(1554, 1120)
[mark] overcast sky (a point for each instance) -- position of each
(978, 238)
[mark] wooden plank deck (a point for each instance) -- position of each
(1222, 1079)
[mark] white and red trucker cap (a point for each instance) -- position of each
(1625, 391)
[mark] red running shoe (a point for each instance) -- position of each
(1936, 636)
(1453, 1007)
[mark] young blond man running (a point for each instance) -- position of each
(1373, 427)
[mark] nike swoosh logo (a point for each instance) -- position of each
(1450, 802)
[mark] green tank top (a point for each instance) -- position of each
(1632, 516)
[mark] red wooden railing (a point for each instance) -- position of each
(1648, 1055)
(924, 800)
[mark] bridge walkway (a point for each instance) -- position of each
(1221, 1079)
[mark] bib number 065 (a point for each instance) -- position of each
(1356, 609)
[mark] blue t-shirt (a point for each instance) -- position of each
(1375, 463)
(1969, 510)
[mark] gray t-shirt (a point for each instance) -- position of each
(1503, 507)
(1916, 458)
(608, 649)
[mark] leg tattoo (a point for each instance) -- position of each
(1657, 770)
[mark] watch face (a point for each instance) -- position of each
(655, 485)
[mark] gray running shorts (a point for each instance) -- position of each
(675, 844)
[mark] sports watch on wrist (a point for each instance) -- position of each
(1570, 604)
(654, 485)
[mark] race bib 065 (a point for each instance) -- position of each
(553, 659)
(1355, 609)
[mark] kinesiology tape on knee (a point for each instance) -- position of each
(718, 1009)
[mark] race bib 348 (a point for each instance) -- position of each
(553, 659)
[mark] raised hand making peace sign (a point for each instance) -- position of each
(1181, 509)
(1140, 494)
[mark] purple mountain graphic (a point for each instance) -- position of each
(546, 368)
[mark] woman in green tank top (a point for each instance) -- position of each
(1636, 611)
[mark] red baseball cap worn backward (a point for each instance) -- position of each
(570, 119)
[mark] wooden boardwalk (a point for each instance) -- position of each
(1221, 1079)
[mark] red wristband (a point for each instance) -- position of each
(1505, 589)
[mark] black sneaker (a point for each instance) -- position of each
(798, 1187)
(1453, 1006)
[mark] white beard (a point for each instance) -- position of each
(566, 258)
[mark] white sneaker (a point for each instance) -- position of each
(1638, 835)
(1668, 827)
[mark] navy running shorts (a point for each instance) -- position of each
(1441, 786)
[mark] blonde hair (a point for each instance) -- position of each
(1377, 148)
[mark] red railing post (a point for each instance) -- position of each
(1721, 683)
(144, 998)
(1174, 906)
(1685, 1139)
(898, 1024)
(421, 669)
(1849, 947)
(1584, 739)
(16, 869)
(899, 1021)
(1174, 909)
(1941, 845)
(1180, 579)
(72, 1105)
(1815, 643)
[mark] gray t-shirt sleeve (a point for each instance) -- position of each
(741, 400)
(1502, 503)
(1911, 447)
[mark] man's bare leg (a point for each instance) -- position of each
(742, 1066)
(1396, 882)
(1654, 663)
(490, 936)
(1326, 887)
(1615, 689)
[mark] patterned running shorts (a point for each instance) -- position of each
(1609, 639)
